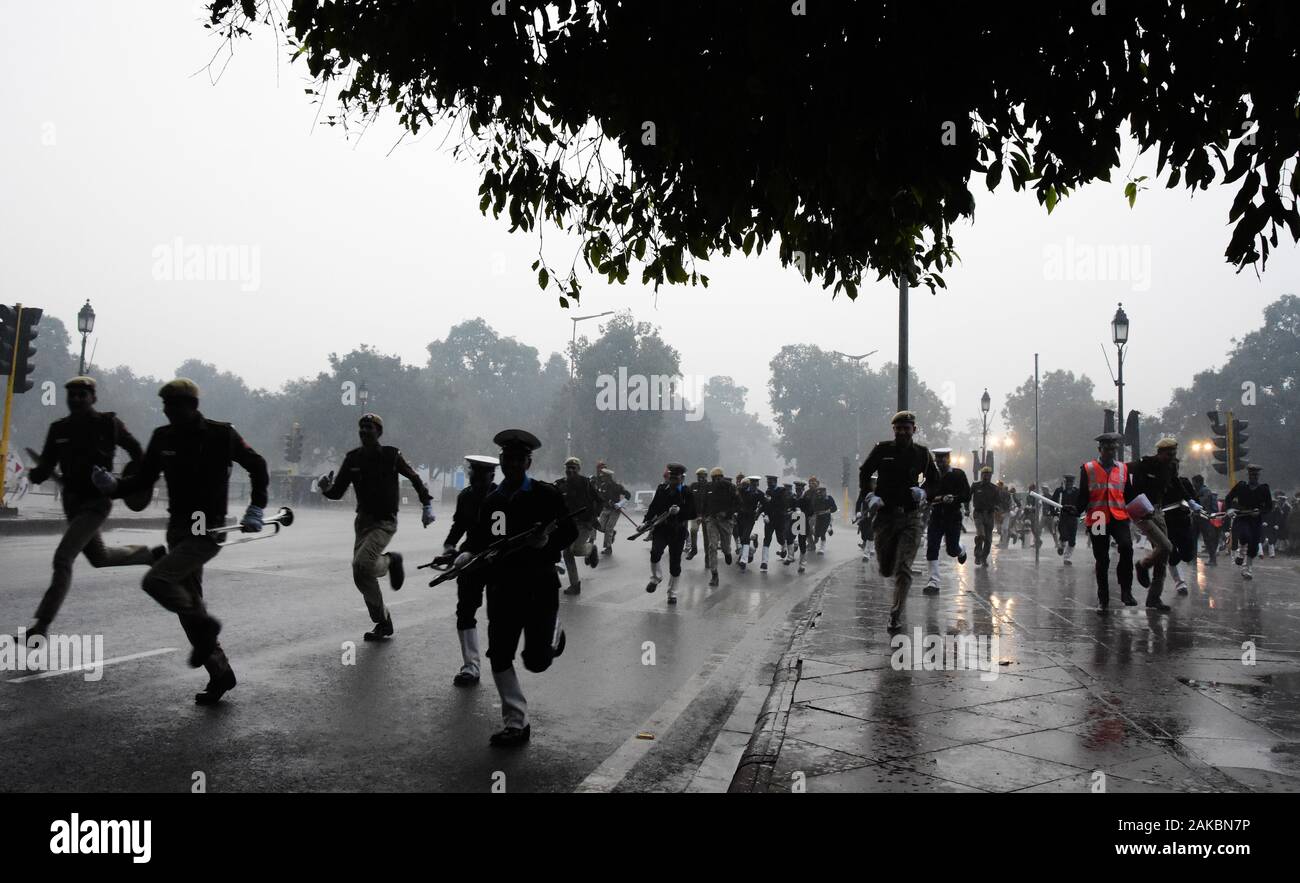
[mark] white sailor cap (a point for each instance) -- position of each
(482, 461)
(938, 451)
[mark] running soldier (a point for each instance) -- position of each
(984, 503)
(676, 503)
(946, 496)
(580, 496)
(613, 497)
(1067, 518)
(469, 586)
(698, 490)
(823, 507)
(1252, 500)
(372, 470)
(776, 507)
(718, 515)
(523, 589)
(749, 507)
(798, 523)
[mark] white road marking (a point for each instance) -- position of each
(68, 671)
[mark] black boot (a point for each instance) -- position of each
(217, 687)
(396, 570)
(206, 644)
(713, 580)
(382, 630)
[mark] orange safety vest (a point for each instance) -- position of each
(1106, 490)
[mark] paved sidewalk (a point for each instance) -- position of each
(1074, 701)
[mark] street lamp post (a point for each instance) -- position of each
(573, 369)
(1119, 334)
(85, 324)
(857, 360)
(985, 401)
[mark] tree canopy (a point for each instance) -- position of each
(851, 137)
(1259, 383)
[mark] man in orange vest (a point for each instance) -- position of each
(1105, 488)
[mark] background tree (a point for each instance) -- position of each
(1070, 417)
(736, 136)
(826, 406)
(631, 440)
(744, 442)
(1260, 383)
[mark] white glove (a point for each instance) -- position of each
(252, 520)
(673, 510)
(427, 517)
(918, 494)
(461, 559)
(1196, 507)
(325, 482)
(874, 502)
(620, 504)
(947, 498)
(103, 480)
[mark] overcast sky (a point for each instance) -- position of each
(114, 148)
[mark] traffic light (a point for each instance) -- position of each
(17, 331)
(293, 445)
(1229, 443)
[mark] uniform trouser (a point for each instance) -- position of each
(1004, 528)
(717, 531)
(1182, 535)
(898, 536)
(822, 523)
(580, 548)
(176, 582)
(82, 537)
(1119, 531)
(469, 598)
(1155, 529)
(865, 527)
(609, 525)
(983, 532)
(1247, 531)
(773, 526)
(673, 539)
(696, 524)
(370, 561)
(744, 530)
(527, 605)
(944, 530)
(1207, 533)
(1067, 528)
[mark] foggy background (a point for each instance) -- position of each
(117, 142)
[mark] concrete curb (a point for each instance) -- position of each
(754, 772)
(19, 527)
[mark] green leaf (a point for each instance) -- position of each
(1050, 196)
(1131, 193)
(543, 278)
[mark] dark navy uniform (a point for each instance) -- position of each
(670, 534)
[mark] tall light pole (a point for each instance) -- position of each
(985, 401)
(903, 377)
(856, 360)
(573, 368)
(85, 324)
(1119, 334)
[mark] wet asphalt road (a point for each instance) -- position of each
(301, 720)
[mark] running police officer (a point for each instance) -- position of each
(372, 469)
(469, 586)
(84, 439)
(897, 465)
(194, 454)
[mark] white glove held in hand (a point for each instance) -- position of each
(918, 494)
(427, 517)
